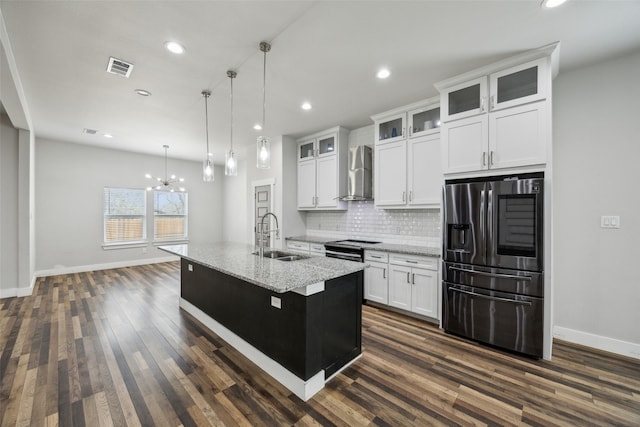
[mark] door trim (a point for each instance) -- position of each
(271, 182)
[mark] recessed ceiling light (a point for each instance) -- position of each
(257, 126)
(306, 106)
(174, 47)
(108, 135)
(142, 92)
(552, 3)
(383, 73)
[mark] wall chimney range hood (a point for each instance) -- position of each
(360, 176)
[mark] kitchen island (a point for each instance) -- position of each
(300, 321)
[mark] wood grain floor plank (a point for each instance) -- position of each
(112, 348)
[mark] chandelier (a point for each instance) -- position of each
(166, 183)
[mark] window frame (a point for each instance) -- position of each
(185, 215)
(115, 244)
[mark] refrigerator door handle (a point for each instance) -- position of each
(483, 220)
(512, 301)
(496, 275)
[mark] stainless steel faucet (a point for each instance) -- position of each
(261, 238)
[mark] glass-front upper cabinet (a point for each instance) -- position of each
(326, 145)
(306, 150)
(390, 128)
(464, 100)
(518, 85)
(424, 121)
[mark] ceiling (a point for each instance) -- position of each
(324, 52)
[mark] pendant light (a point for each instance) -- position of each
(231, 163)
(166, 183)
(263, 143)
(207, 164)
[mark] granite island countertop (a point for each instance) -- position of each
(385, 247)
(237, 260)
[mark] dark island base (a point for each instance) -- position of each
(314, 334)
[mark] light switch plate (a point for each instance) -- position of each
(610, 221)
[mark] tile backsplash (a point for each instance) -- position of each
(363, 221)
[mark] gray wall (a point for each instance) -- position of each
(596, 148)
(8, 207)
(69, 185)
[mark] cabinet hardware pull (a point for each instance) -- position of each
(375, 256)
(411, 261)
(413, 278)
(410, 195)
(493, 102)
(404, 193)
(484, 158)
(384, 273)
(410, 130)
(402, 132)
(482, 100)
(491, 158)
(408, 277)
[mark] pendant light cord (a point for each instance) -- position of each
(232, 75)
(264, 89)
(206, 118)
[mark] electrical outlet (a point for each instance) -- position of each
(276, 302)
(610, 221)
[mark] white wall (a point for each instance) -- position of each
(8, 207)
(596, 149)
(236, 224)
(69, 188)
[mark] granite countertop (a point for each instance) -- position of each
(237, 260)
(384, 247)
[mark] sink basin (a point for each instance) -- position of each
(282, 256)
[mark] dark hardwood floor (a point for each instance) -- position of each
(113, 348)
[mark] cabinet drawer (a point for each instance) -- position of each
(376, 256)
(316, 248)
(414, 261)
(298, 246)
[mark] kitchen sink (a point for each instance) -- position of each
(282, 256)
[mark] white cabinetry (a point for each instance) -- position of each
(298, 247)
(498, 117)
(407, 161)
(322, 174)
(413, 284)
(376, 284)
(406, 282)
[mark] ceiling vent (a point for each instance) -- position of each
(119, 67)
(89, 131)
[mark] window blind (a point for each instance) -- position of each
(124, 212)
(169, 215)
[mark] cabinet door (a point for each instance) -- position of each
(327, 145)
(400, 287)
(391, 174)
(423, 121)
(424, 292)
(306, 149)
(464, 100)
(424, 172)
(464, 145)
(327, 182)
(518, 136)
(391, 128)
(306, 184)
(376, 287)
(518, 85)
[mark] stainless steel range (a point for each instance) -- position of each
(493, 284)
(350, 249)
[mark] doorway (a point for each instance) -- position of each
(262, 206)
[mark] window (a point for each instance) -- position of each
(124, 215)
(169, 215)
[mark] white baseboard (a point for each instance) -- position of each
(600, 342)
(301, 388)
(25, 292)
(106, 266)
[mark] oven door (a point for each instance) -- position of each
(515, 224)
(502, 319)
